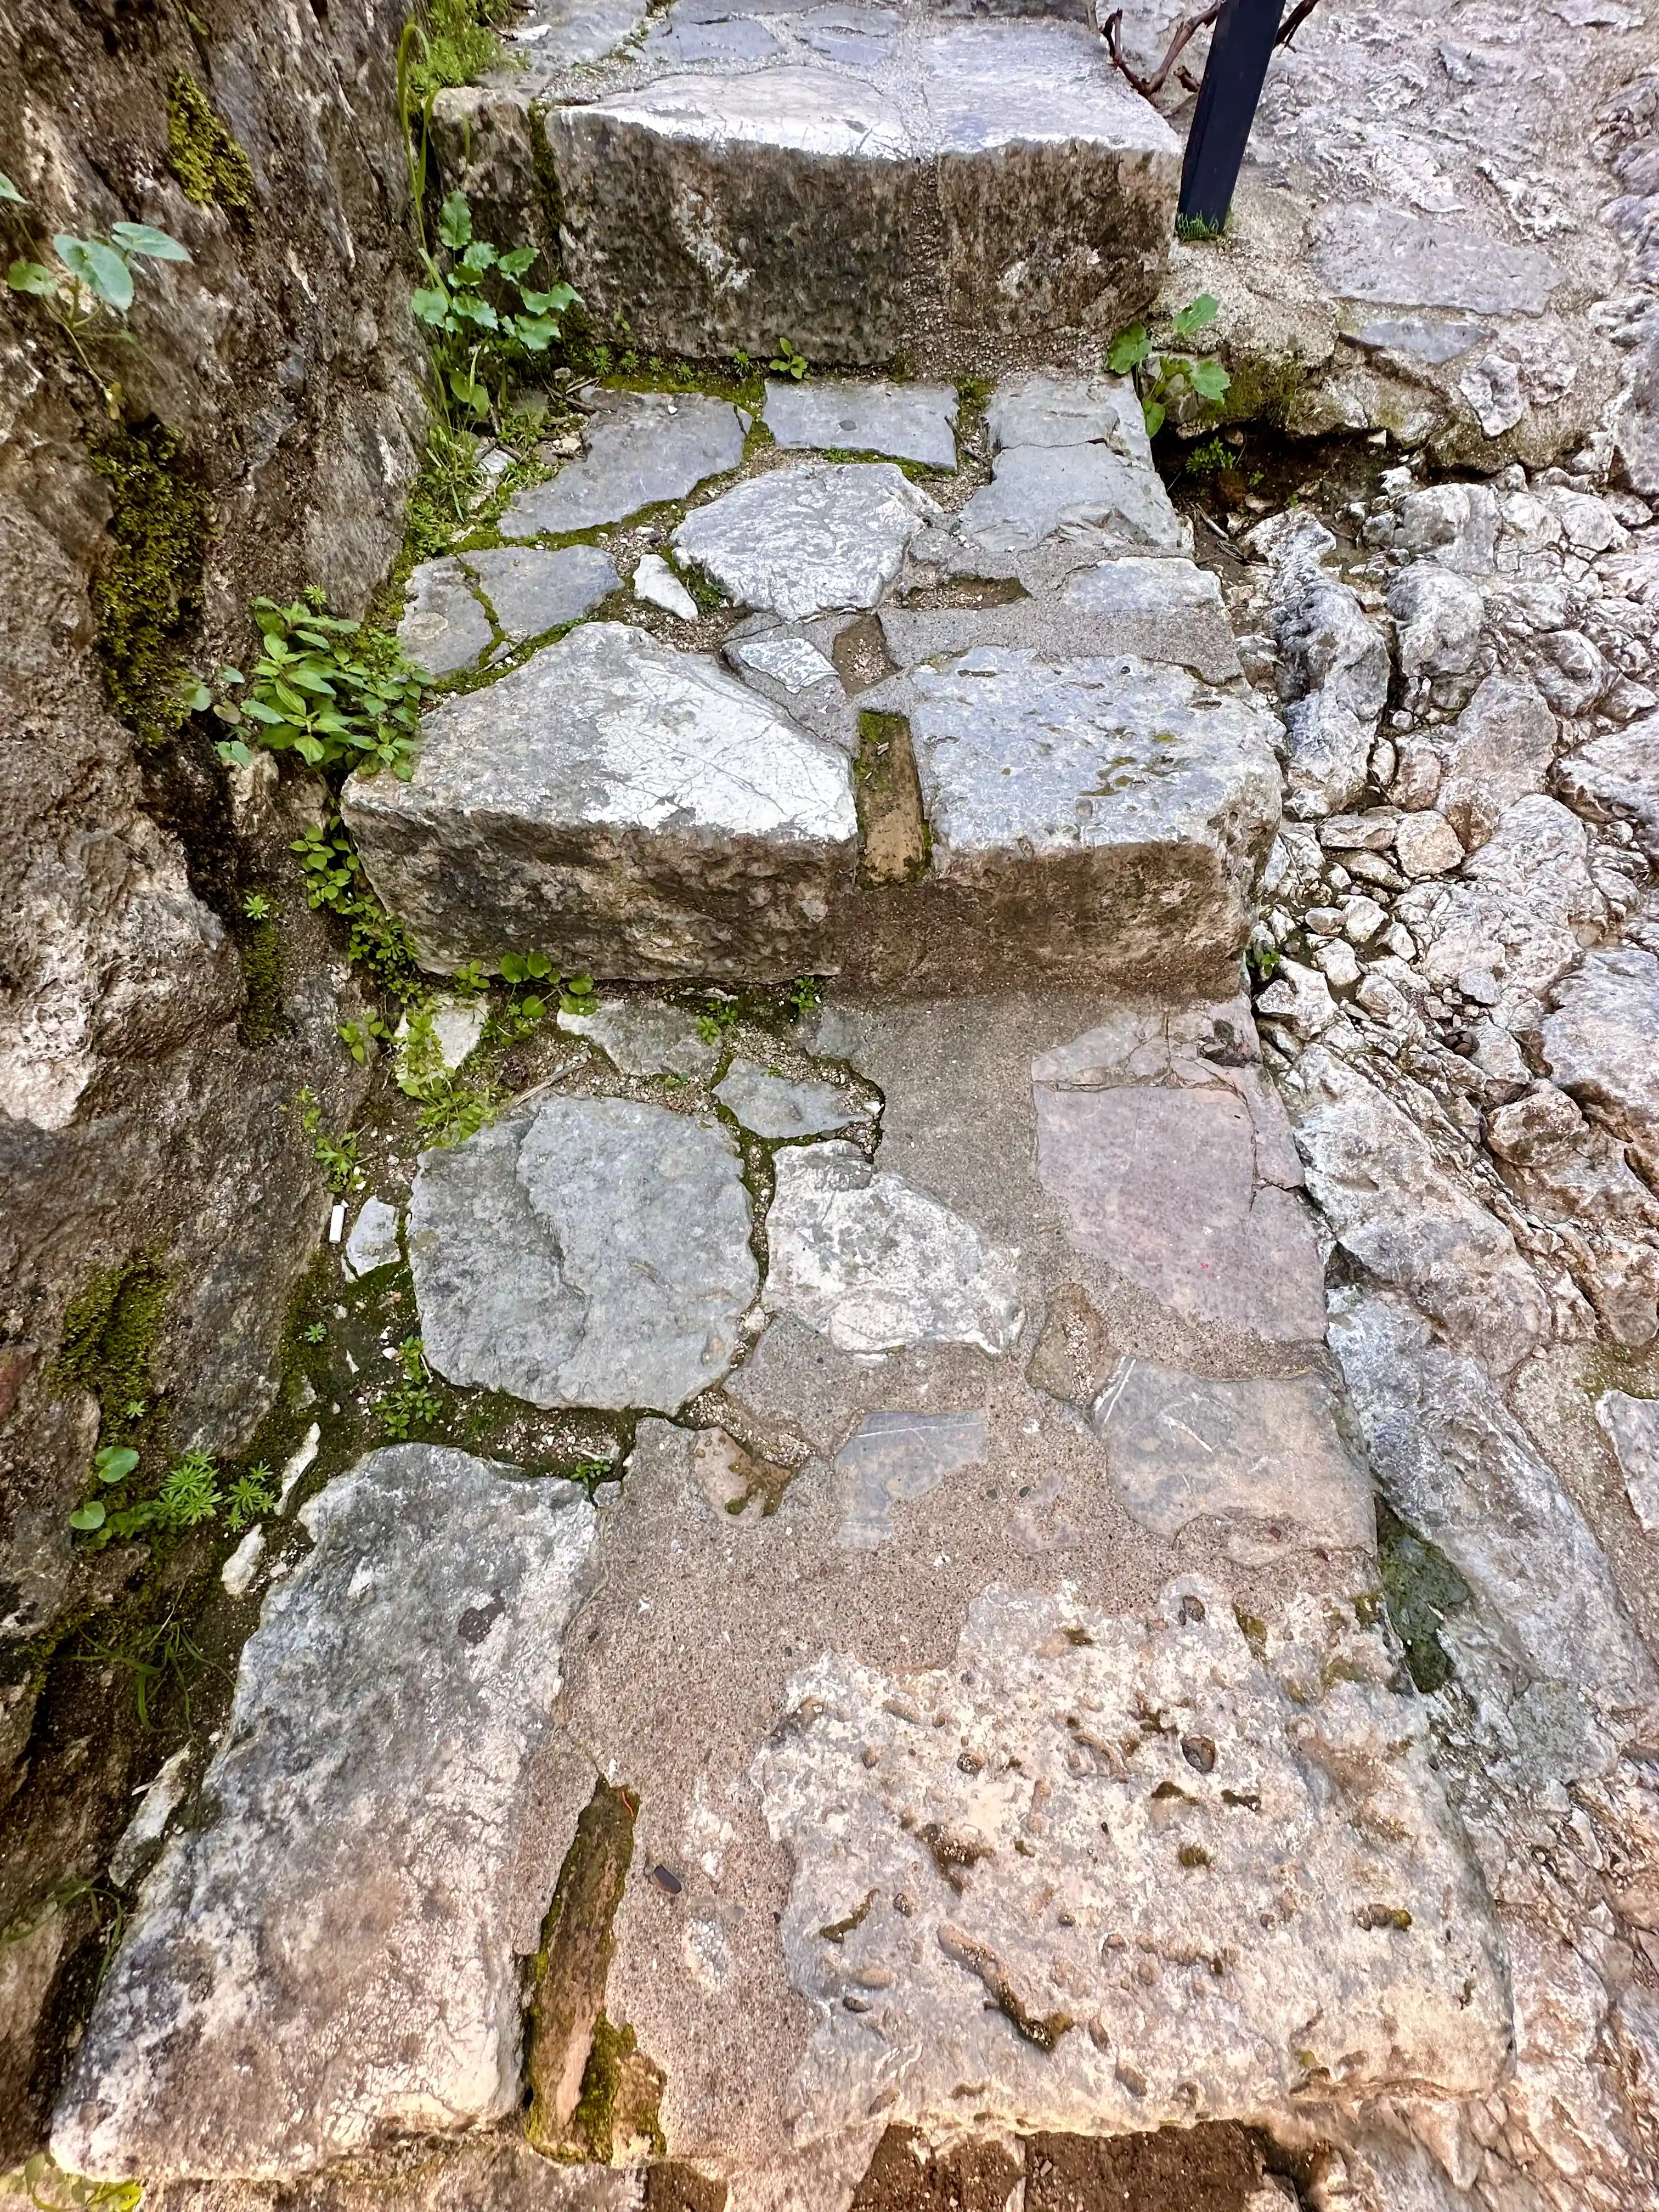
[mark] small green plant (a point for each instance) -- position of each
(202, 153)
(578, 996)
(718, 1016)
(251, 1496)
(411, 1403)
(153, 1656)
(453, 1111)
(360, 1038)
(334, 879)
(256, 907)
(457, 45)
(315, 1332)
(339, 696)
(1208, 458)
(189, 1495)
(49, 2189)
(479, 341)
(805, 996)
(743, 367)
(1262, 961)
(93, 286)
(788, 362)
(1168, 380)
(336, 1156)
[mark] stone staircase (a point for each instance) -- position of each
(969, 1711)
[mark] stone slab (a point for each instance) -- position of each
(643, 448)
(444, 631)
(629, 810)
(1372, 251)
(1632, 1429)
(329, 1956)
(897, 1458)
(1086, 495)
(1601, 1044)
(1044, 407)
(803, 539)
(910, 422)
(590, 1252)
(775, 1108)
(373, 1240)
(793, 662)
(533, 591)
(644, 1037)
(1616, 778)
(1262, 1458)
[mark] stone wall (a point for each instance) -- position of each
(272, 409)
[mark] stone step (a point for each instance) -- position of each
(894, 183)
(952, 739)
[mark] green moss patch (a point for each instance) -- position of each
(203, 154)
(109, 1339)
(149, 597)
(259, 949)
(1420, 1586)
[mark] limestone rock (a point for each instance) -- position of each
(1502, 744)
(274, 2008)
(1375, 253)
(373, 1240)
(643, 448)
(1262, 1458)
(897, 1458)
(1454, 523)
(910, 422)
(629, 810)
(589, 1252)
(1425, 844)
(1098, 495)
(1616, 778)
(644, 1037)
(1157, 608)
(1438, 612)
(800, 540)
(1455, 1465)
(655, 583)
(1335, 667)
(774, 1107)
(872, 1263)
(444, 630)
(950, 1878)
(793, 662)
(1041, 407)
(1633, 1428)
(1601, 1044)
(1375, 1178)
(533, 591)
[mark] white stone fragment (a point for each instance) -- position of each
(1633, 1428)
(156, 1806)
(655, 583)
(373, 1240)
(800, 541)
(237, 1572)
(295, 1465)
(791, 662)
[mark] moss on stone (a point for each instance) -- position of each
(259, 949)
(621, 2101)
(1265, 388)
(203, 154)
(149, 597)
(1421, 1587)
(109, 1339)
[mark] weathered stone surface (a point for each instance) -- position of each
(590, 1252)
(774, 1107)
(276, 2005)
(1043, 407)
(1633, 1428)
(1375, 1178)
(1262, 1458)
(1439, 614)
(1601, 1044)
(1159, 610)
(1616, 778)
(533, 591)
(1425, 844)
(655, 583)
(1502, 746)
(1455, 1465)
(1335, 667)
(791, 662)
(443, 629)
(1092, 496)
(996, 177)
(800, 540)
(911, 421)
(642, 448)
(872, 1263)
(1142, 804)
(897, 1458)
(627, 809)
(644, 1037)
(1375, 253)
(1083, 1988)
(374, 1239)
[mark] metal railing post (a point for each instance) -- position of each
(1240, 47)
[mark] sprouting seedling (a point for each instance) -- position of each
(788, 361)
(1163, 378)
(93, 283)
(256, 907)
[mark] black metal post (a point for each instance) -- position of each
(1241, 46)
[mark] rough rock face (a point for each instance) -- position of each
(273, 2008)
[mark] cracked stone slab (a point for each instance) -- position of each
(1371, 251)
(872, 1263)
(1132, 831)
(532, 590)
(802, 540)
(629, 810)
(1090, 496)
(1601, 1044)
(591, 1252)
(1616, 778)
(1632, 1429)
(641, 449)
(644, 1037)
(897, 1458)
(1280, 1886)
(331, 1956)
(444, 630)
(774, 1107)
(793, 662)
(910, 422)
(1263, 1458)
(976, 178)
(1041, 407)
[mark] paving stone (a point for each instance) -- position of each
(589, 1252)
(1043, 407)
(643, 448)
(1159, 610)
(1142, 806)
(717, 211)
(872, 1263)
(644, 1037)
(897, 1458)
(629, 810)
(1369, 251)
(1090, 496)
(1457, 1467)
(911, 421)
(791, 662)
(774, 1107)
(274, 2009)
(1077, 1988)
(1375, 1178)
(373, 1240)
(1263, 1458)
(555, 34)
(800, 540)
(1601, 1044)
(1633, 1428)
(443, 629)
(655, 583)
(533, 591)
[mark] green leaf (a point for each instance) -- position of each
(532, 1008)
(88, 1517)
(512, 967)
(143, 238)
(262, 713)
(9, 191)
(470, 394)
(230, 676)
(480, 255)
(535, 333)
(471, 310)
(428, 306)
(1197, 315)
(233, 753)
(100, 267)
(287, 698)
(1153, 411)
(227, 710)
(199, 699)
(549, 303)
(1209, 380)
(31, 277)
(1129, 349)
(455, 222)
(310, 752)
(579, 987)
(115, 1462)
(513, 264)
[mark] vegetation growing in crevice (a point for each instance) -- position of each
(259, 949)
(202, 152)
(148, 596)
(108, 1342)
(1421, 1587)
(461, 41)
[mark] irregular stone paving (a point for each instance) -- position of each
(639, 449)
